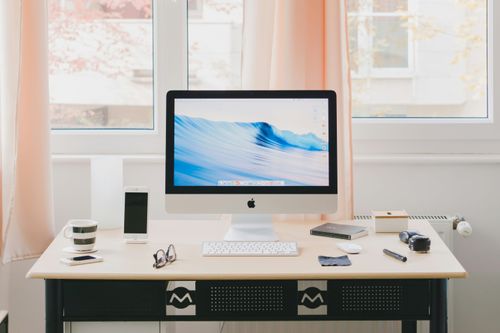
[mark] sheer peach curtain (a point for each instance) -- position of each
(27, 217)
(302, 44)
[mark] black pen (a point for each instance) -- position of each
(395, 255)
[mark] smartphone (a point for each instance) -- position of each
(136, 215)
(81, 260)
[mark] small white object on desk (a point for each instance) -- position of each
(136, 241)
(390, 220)
(71, 249)
(350, 248)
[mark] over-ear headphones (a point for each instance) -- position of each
(416, 242)
(405, 236)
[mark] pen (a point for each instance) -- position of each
(395, 255)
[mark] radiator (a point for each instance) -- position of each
(444, 226)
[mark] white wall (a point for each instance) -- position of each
(472, 189)
(469, 186)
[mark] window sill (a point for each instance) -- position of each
(382, 158)
(86, 158)
(383, 76)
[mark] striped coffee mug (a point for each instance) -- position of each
(82, 232)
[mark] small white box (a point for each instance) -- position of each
(390, 220)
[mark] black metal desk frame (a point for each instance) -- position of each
(406, 300)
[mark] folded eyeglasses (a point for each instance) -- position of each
(163, 257)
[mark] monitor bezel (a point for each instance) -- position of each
(172, 95)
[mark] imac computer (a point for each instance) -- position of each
(251, 154)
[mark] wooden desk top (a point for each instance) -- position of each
(134, 261)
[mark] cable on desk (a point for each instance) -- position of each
(221, 327)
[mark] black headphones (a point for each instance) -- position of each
(416, 242)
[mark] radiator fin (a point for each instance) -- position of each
(430, 218)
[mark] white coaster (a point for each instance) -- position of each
(70, 249)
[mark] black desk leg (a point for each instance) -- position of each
(439, 307)
(53, 307)
(409, 326)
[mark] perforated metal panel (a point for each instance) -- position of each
(379, 298)
(247, 298)
(315, 299)
(371, 298)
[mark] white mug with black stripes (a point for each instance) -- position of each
(82, 232)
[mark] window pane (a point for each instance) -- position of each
(354, 53)
(214, 33)
(385, 6)
(101, 63)
(353, 5)
(390, 42)
(417, 64)
(406, 61)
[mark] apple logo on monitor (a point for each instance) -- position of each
(251, 203)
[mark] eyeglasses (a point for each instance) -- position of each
(163, 257)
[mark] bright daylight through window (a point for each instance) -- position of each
(215, 32)
(418, 58)
(409, 58)
(101, 64)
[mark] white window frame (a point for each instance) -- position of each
(365, 41)
(170, 66)
(371, 136)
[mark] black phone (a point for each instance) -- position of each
(80, 258)
(136, 214)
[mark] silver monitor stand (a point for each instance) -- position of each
(251, 227)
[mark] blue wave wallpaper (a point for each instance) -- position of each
(222, 153)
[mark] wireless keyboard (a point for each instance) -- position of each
(249, 249)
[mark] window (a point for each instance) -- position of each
(418, 58)
(406, 60)
(101, 64)
(379, 38)
(424, 59)
(214, 35)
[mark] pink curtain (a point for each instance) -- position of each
(302, 44)
(27, 217)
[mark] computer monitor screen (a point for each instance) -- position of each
(251, 143)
